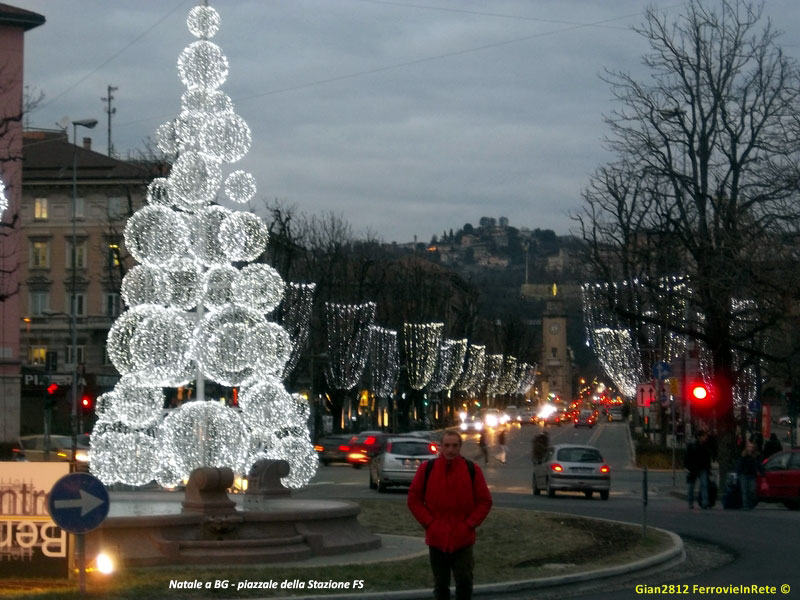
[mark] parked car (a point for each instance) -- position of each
(399, 461)
(781, 479)
(32, 448)
(585, 418)
(333, 448)
(364, 446)
(570, 467)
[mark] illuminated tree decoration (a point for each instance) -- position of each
(449, 365)
(421, 343)
(384, 361)
(294, 315)
(472, 377)
(192, 315)
(347, 328)
(493, 369)
(526, 377)
(508, 376)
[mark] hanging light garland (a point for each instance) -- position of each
(347, 329)
(295, 317)
(472, 377)
(493, 368)
(384, 360)
(191, 313)
(3, 198)
(421, 343)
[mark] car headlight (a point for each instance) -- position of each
(82, 455)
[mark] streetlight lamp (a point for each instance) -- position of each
(89, 124)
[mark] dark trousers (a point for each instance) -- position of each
(461, 564)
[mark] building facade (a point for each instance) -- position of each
(106, 192)
(14, 22)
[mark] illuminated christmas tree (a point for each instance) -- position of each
(198, 306)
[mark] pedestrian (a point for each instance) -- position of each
(772, 446)
(450, 499)
(698, 464)
(484, 448)
(747, 468)
(501, 440)
(540, 445)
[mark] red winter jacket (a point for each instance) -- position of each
(453, 505)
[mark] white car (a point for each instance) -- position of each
(399, 461)
(570, 467)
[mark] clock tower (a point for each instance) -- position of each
(556, 364)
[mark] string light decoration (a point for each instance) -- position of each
(449, 365)
(493, 369)
(294, 315)
(191, 314)
(421, 343)
(526, 377)
(3, 198)
(348, 331)
(508, 375)
(384, 361)
(472, 377)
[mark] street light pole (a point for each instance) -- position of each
(89, 124)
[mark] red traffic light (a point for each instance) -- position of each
(700, 392)
(86, 403)
(52, 388)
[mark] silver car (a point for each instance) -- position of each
(569, 467)
(399, 462)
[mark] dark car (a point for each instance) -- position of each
(333, 448)
(781, 479)
(365, 445)
(585, 418)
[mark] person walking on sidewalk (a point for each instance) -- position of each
(484, 448)
(501, 441)
(450, 499)
(747, 468)
(698, 463)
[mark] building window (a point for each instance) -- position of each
(117, 207)
(555, 352)
(106, 358)
(40, 208)
(80, 254)
(80, 303)
(37, 355)
(113, 304)
(40, 255)
(80, 354)
(80, 208)
(39, 303)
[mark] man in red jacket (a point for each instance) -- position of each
(450, 500)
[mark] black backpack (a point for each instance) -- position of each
(429, 468)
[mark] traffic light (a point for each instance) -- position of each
(52, 389)
(701, 395)
(86, 404)
(51, 399)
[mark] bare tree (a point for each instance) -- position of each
(706, 184)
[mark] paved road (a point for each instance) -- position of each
(759, 547)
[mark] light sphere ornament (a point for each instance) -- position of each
(161, 348)
(205, 227)
(156, 235)
(299, 452)
(118, 343)
(139, 449)
(226, 136)
(245, 236)
(158, 192)
(202, 65)
(218, 286)
(194, 180)
(206, 102)
(228, 342)
(167, 137)
(182, 282)
(134, 405)
(203, 22)
(188, 127)
(203, 434)
(240, 187)
(272, 347)
(258, 286)
(267, 406)
(143, 284)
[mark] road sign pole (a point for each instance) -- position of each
(80, 556)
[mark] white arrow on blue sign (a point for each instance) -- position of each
(78, 502)
(661, 370)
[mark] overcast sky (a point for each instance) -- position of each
(407, 118)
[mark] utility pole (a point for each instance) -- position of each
(110, 111)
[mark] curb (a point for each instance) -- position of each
(676, 552)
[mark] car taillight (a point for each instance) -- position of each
(433, 449)
(556, 467)
(370, 440)
(605, 469)
(344, 448)
(576, 420)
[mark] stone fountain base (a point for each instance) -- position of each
(210, 530)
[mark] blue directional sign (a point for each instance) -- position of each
(661, 370)
(78, 502)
